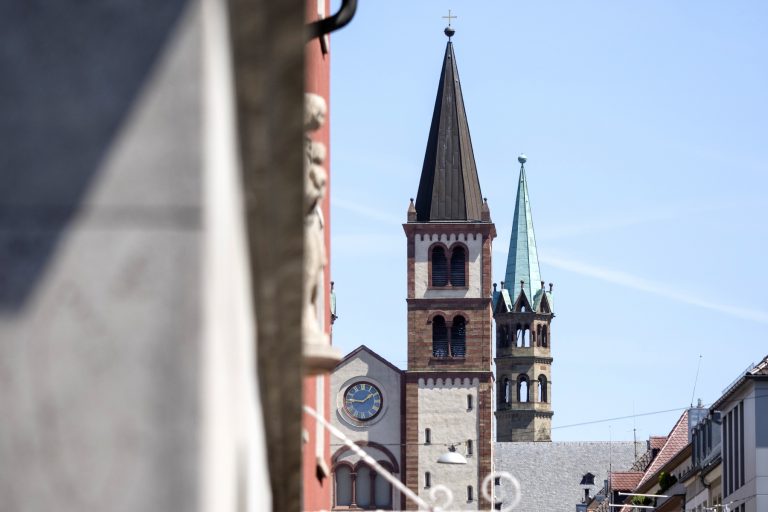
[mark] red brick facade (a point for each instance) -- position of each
(476, 364)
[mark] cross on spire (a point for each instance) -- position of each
(449, 17)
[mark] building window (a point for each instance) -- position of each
(469, 447)
(522, 389)
(383, 490)
(439, 337)
(451, 343)
(470, 493)
(519, 335)
(469, 402)
(527, 336)
(458, 267)
(507, 391)
(544, 336)
(363, 487)
(741, 444)
(427, 436)
(427, 479)
(343, 486)
(439, 266)
(502, 336)
(448, 267)
(542, 389)
(458, 337)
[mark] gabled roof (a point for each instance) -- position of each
(625, 480)
(657, 442)
(676, 441)
(543, 297)
(449, 189)
(522, 259)
(502, 301)
(363, 348)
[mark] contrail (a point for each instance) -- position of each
(638, 283)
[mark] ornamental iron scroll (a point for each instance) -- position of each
(440, 496)
(319, 355)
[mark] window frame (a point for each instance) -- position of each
(448, 251)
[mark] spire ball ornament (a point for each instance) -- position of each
(522, 158)
(449, 32)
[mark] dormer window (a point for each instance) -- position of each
(448, 267)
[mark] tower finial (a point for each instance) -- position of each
(449, 31)
(522, 158)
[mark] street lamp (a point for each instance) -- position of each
(452, 457)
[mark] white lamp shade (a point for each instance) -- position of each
(452, 458)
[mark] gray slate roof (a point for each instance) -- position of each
(550, 473)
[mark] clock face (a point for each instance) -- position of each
(362, 401)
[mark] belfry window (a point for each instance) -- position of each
(522, 389)
(542, 389)
(448, 267)
(544, 336)
(439, 267)
(449, 341)
(458, 337)
(458, 269)
(439, 337)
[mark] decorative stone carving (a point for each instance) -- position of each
(319, 355)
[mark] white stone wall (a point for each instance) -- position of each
(385, 427)
(443, 409)
(474, 243)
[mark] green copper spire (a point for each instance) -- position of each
(522, 260)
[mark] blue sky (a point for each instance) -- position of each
(645, 129)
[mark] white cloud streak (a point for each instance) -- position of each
(638, 283)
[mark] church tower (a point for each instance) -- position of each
(523, 313)
(449, 381)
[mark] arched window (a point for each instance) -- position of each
(458, 268)
(527, 336)
(363, 487)
(544, 340)
(502, 337)
(519, 335)
(343, 486)
(542, 388)
(507, 391)
(458, 337)
(538, 335)
(522, 389)
(383, 491)
(439, 266)
(439, 337)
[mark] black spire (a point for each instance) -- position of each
(449, 188)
